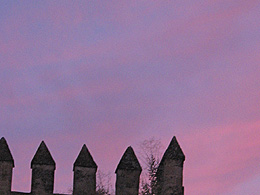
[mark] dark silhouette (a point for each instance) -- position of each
(168, 179)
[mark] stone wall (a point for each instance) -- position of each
(169, 174)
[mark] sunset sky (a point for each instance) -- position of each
(110, 74)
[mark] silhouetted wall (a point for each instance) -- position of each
(169, 174)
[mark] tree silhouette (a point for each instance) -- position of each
(104, 186)
(150, 153)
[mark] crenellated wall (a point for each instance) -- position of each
(169, 174)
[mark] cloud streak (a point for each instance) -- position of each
(112, 74)
(228, 156)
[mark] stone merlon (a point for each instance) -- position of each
(85, 159)
(43, 156)
(129, 161)
(174, 151)
(5, 153)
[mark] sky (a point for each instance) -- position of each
(110, 74)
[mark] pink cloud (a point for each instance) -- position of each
(219, 85)
(220, 158)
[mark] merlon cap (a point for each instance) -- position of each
(43, 156)
(5, 153)
(174, 151)
(85, 159)
(129, 161)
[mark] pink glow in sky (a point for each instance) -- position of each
(110, 74)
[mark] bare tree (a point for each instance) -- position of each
(104, 186)
(150, 151)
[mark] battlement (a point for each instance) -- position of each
(169, 174)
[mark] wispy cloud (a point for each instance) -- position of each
(110, 74)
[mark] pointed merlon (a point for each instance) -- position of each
(174, 151)
(43, 156)
(129, 161)
(5, 153)
(85, 159)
